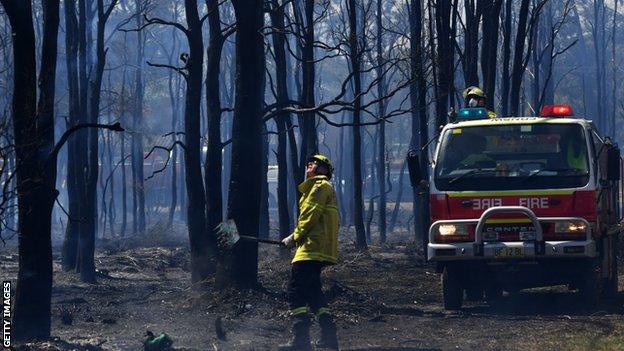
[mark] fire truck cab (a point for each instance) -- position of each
(522, 202)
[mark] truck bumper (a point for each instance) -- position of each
(537, 248)
(527, 250)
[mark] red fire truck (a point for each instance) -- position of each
(522, 202)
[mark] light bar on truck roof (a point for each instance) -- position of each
(562, 110)
(472, 113)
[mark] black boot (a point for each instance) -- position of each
(300, 335)
(329, 338)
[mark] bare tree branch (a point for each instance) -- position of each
(168, 149)
(54, 153)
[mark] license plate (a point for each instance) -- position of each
(508, 252)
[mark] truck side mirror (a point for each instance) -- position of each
(613, 163)
(413, 167)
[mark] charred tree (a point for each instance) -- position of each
(86, 251)
(281, 87)
(420, 127)
(506, 59)
(598, 31)
(264, 226)
(309, 142)
(445, 57)
(614, 67)
(33, 130)
(84, 260)
(173, 84)
(202, 262)
(214, 162)
(244, 190)
(70, 244)
(473, 11)
(517, 71)
(355, 57)
(381, 111)
(138, 190)
(122, 152)
(489, 49)
(524, 36)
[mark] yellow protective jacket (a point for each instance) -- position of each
(316, 234)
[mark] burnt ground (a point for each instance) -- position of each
(387, 299)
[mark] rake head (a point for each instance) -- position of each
(227, 234)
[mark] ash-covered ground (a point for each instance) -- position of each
(386, 299)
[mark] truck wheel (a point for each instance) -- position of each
(493, 293)
(452, 290)
(589, 286)
(474, 293)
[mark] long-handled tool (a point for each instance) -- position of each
(228, 236)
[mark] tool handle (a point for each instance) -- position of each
(261, 240)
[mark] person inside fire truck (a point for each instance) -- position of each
(574, 152)
(468, 152)
(474, 97)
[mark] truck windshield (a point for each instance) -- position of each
(513, 157)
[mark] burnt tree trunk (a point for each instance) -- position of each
(309, 142)
(33, 131)
(174, 99)
(122, 153)
(265, 226)
(355, 59)
(202, 263)
(70, 243)
(445, 41)
(85, 239)
(87, 246)
(308, 81)
(489, 49)
(281, 87)
(598, 31)
(473, 9)
(506, 58)
(381, 112)
(341, 180)
(244, 191)
(420, 127)
(614, 67)
(214, 162)
(517, 70)
(137, 137)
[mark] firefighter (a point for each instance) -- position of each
(466, 151)
(574, 151)
(474, 97)
(316, 240)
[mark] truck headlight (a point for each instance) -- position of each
(453, 229)
(570, 227)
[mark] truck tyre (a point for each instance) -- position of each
(452, 290)
(589, 286)
(474, 293)
(493, 293)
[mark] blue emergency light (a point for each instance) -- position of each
(472, 113)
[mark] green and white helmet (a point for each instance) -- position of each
(325, 161)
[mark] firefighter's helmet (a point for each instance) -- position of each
(325, 161)
(474, 91)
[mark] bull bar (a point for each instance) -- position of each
(537, 248)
